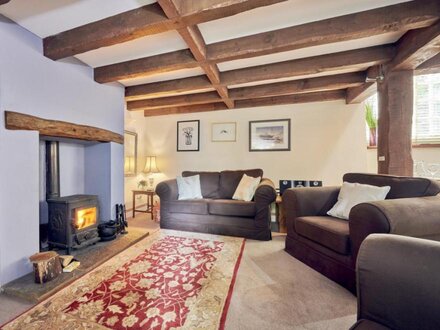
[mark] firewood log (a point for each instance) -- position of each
(47, 266)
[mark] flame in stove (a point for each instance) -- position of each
(85, 217)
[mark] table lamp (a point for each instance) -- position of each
(150, 169)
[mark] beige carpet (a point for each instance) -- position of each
(273, 290)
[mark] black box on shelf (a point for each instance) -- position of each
(286, 184)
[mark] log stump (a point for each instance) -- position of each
(47, 266)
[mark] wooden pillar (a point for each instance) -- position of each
(396, 101)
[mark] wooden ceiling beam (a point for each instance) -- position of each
(251, 103)
(140, 22)
(291, 99)
(174, 101)
(167, 88)
(353, 60)
(415, 48)
(360, 93)
(186, 109)
(400, 17)
(178, 60)
(194, 39)
(335, 82)
(109, 31)
(430, 66)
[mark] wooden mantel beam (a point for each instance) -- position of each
(400, 17)
(140, 22)
(59, 129)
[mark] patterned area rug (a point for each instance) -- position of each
(170, 280)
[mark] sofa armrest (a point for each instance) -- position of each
(265, 195)
(167, 190)
(299, 202)
(397, 282)
(417, 217)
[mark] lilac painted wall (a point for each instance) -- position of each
(61, 90)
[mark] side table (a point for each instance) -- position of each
(280, 216)
(150, 194)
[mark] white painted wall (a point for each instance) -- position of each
(61, 90)
(328, 140)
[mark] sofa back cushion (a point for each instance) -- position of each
(229, 181)
(209, 182)
(401, 187)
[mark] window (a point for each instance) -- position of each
(426, 121)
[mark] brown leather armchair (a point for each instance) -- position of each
(330, 245)
(397, 283)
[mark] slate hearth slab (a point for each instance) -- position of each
(90, 257)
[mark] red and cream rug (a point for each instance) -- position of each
(170, 280)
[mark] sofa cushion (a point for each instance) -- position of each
(229, 181)
(231, 208)
(401, 187)
(190, 206)
(330, 232)
(209, 182)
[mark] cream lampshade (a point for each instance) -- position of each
(150, 169)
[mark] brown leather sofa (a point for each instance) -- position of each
(217, 212)
(330, 245)
(398, 286)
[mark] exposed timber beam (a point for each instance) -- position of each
(335, 82)
(415, 48)
(400, 17)
(138, 23)
(353, 60)
(194, 39)
(181, 59)
(186, 109)
(167, 88)
(430, 66)
(251, 103)
(360, 93)
(291, 99)
(59, 129)
(173, 101)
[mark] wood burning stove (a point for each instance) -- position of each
(73, 221)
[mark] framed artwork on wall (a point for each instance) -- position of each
(188, 135)
(130, 153)
(223, 132)
(269, 135)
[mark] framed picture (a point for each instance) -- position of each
(188, 135)
(269, 135)
(130, 153)
(223, 132)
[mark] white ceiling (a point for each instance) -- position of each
(50, 17)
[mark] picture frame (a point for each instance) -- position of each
(130, 153)
(224, 132)
(269, 135)
(188, 135)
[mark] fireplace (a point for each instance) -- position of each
(73, 221)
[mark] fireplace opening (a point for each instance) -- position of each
(84, 217)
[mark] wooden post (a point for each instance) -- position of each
(394, 148)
